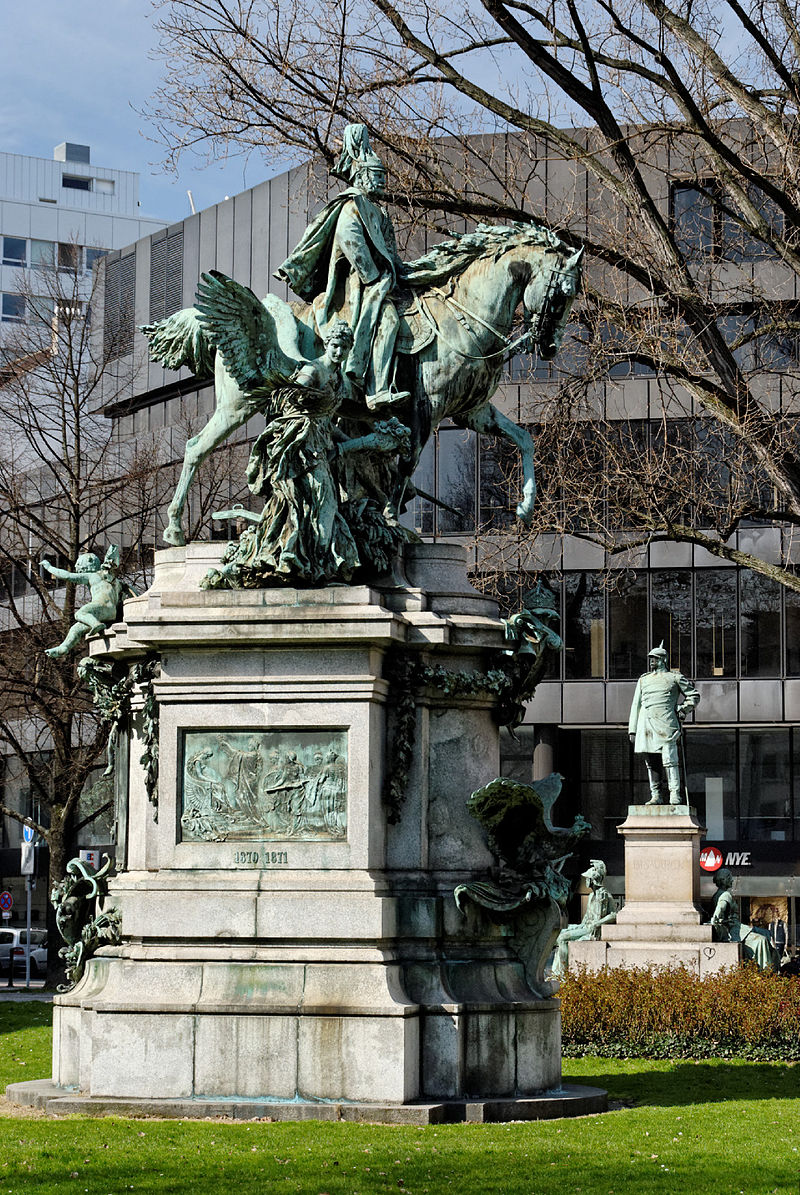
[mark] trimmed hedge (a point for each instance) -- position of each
(669, 1013)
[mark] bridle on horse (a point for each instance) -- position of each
(554, 285)
(462, 314)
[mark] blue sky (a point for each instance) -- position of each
(77, 71)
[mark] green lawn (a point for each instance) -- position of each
(682, 1127)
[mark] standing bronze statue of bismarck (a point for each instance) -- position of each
(662, 699)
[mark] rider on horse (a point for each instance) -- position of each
(346, 265)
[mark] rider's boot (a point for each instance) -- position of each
(655, 787)
(386, 398)
(674, 784)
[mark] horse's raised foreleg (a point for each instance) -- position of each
(224, 421)
(492, 422)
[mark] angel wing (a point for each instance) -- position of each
(180, 340)
(245, 333)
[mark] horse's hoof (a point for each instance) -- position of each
(525, 514)
(174, 536)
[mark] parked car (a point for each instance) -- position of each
(14, 945)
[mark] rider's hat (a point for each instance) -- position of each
(659, 652)
(357, 153)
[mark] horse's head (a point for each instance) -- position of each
(547, 301)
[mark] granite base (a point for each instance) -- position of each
(569, 1100)
(305, 964)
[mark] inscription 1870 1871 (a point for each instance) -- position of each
(262, 858)
(264, 785)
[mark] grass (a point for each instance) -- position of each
(708, 1126)
(25, 1041)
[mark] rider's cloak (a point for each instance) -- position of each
(345, 264)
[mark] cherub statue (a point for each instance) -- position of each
(601, 910)
(107, 591)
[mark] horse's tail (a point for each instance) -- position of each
(180, 340)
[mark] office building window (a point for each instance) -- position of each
(712, 780)
(584, 631)
(716, 448)
(778, 349)
(626, 448)
(43, 255)
(760, 625)
(42, 309)
(13, 309)
(672, 615)
(715, 622)
(69, 256)
(706, 221)
(528, 367)
(103, 186)
(92, 256)
(499, 478)
(14, 251)
(617, 342)
(740, 781)
(733, 619)
(736, 243)
(693, 219)
(606, 780)
(456, 467)
(575, 354)
(521, 367)
(419, 513)
(795, 784)
(73, 182)
(627, 626)
(738, 330)
(765, 798)
(792, 605)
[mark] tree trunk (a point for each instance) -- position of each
(59, 857)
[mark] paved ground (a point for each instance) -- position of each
(20, 992)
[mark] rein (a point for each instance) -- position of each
(507, 345)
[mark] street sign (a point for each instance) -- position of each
(710, 859)
(27, 860)
(6, 901)
(28, 833)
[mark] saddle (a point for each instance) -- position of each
(416, 330)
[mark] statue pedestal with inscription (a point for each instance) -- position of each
(660, 922)
(291, 946)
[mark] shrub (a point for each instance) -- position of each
(665, 1012)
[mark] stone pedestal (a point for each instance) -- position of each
(662, 866)
(289, 957)
(659, 924)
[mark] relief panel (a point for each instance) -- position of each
(262, 785)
